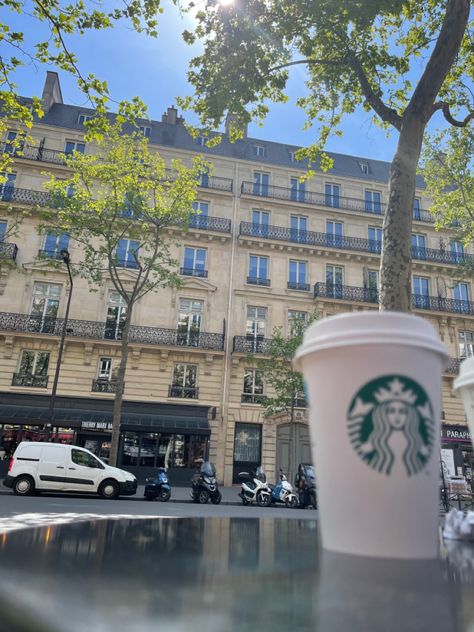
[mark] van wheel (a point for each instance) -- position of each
(109, 489)
(23, 486)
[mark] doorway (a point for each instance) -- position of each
(288, 456)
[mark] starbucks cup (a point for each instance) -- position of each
(464, 386)
(374, 385)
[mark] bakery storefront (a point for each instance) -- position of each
(456, 451)
(151, 435)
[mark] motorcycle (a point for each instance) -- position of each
(158, 486)
(255, 488)
(282, 492)
(305, 482)
(204, 485)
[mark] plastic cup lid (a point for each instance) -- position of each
(369, 328)
(466, 374)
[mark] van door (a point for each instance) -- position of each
(52, 467)
(83, 471)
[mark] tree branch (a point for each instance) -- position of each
(444, 107)
(309, 62)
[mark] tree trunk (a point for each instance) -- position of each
(114, 446)
(395, 264)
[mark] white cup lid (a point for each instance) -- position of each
(369, 328)
(466, 374)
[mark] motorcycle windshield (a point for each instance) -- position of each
(310, 474)
(260, 474)
(208, 469)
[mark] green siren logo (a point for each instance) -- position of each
(390, 424)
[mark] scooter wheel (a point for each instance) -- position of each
(203, 496)
(264, 500)
(216, 499)
(245, 501)
(292, 502)
(165, 496)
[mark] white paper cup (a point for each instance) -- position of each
(374, 384)
(464, 385)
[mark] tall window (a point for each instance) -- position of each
(334, 233)
(72, 146)
(204, 178)
(258, 270)
(461, 296)
(184, 381)
(127, 253)
(3, 230)
(372, 286)
(260, 183)
(201, 214)
(421, 292)
(256, 327)
(54, 243)
(194, 263)
(189, 321)
(295, 319)
(331, 194)
(298, 190)
(44, 306)
(334, 280)
(15, 142)
(253, 386)
(33, 369)
(260, 222)
(299, 228)
(466, 344)
(7, 186)
(418, 246)
(456, 249)
(375, 239)
(373, 202)
(298, 275)
(416, 208)
(116, 314)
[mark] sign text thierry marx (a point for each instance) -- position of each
(96, 425)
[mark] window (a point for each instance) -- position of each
(331, 194)
(145, 131)
(83, 118)
(364, 167)
(258, 270)
(298, 190)
(204, 178)
(200, 218)
(421, 292)
(72, 146)
(258, 151)
(184, 381)
(253, 386)
(334, 281)
(256, 327)
(3, 229)
(33, 369)
(461, 297)
(127, 253)
(116, 314)
(375, 239)
(416, 208)
(299, 228)
(298, 275)
(15, 142)
(373, 203)
(189, 321)
(153, 449)
(456, 249)
(247, 443)
(260, 183)
(418, 246)
(466, 344)
(371, 284)
(7, 186)
(79, 457)
(44, 307)
(334, 233)
(105, 371)
(201, 207)
(201, 141)
(295, 320)
(292, 155)
(54, 243)
(194, 262)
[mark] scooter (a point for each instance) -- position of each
(255, 488)
(306, 484)
(282, 492)
(204, 485)
(158, 486)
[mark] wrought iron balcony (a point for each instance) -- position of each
(24, 196)
(371, 295)
(107, 331)
(183, 392)
(304, 287)
(32, 381)
(453, 366)
(49, 254)
(204, 222)
(214, 182)
(29, 152)
(258, 281)
(194, 272)
(104, 386)
(357, 244)
(8, 251)
(252, 398)
(321, 199)
(250, 344)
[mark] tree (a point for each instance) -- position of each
(286, 384)
(355, 54)
(123, 205)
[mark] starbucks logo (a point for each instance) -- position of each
(390, 425)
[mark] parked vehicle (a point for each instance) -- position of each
(41, 466)
(158, 486)
(255, 488)
(204, 485)
(305, 483)
(282, 492)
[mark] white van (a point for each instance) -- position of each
(65, 468)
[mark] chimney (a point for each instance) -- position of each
(171, 117)
(51, 91)
(231, 121)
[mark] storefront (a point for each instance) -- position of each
(152, 435)
(456, 451)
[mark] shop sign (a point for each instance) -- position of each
(96, 425)
(456, 433)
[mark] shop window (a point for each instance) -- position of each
(131, 446)
(152, 449)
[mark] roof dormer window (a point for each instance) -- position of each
(201, 141)
(83, 118)
(292, 155)
(258, 151)
(364, 167)
(145, 131)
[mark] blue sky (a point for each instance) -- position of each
(155, 70)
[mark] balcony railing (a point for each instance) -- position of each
(247, 344)
(184, 392)
(370, 295)
(357, 244)
(131, 264)
(104, 386)
(303, 287)
(49, 254)
(321, 199)
(8, 251)
(204, 222)
(24, 196)
(214, 182)
(453, 366)
(106, 331)
(193, 272)
(32, 381)
(28, 152)
(252, 398)
(258, 281)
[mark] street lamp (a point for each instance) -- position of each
(67, 260)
